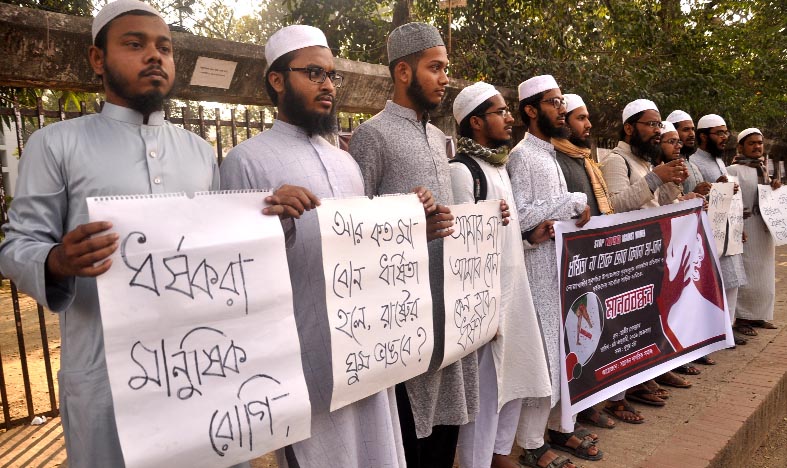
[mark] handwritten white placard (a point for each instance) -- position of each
(773, 208)
(471, 265)
(376, 268)
(201, 346)
(718, 211)
(735, 219)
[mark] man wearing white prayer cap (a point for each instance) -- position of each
(540, 194)
(684, 124)
(52, 252)
(756, 299)
(512, 366)
(294, 155)
(573, 155)
(712, 136)
(637, 180)
(399, 151)
(628, 169)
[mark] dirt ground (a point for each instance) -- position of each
(9, 347)
(773, 452)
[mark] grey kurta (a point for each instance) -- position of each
(756, 298)
(694, 178)
(397, 152)
(365, 433)
(111, 153)
(732, 270)
(540, 193)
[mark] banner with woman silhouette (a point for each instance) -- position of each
(641, 294)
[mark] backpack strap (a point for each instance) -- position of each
(479, 179)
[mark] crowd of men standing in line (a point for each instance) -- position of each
(505, 392)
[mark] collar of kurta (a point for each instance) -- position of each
(626, 152)
(289, 129)
(538, 142)
(125, 114)
(405, 112)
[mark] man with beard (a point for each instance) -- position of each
(301, 80)
(573, 155)
(634, 183)
(52, 252)
(512, 366)
(632, 179)
(684, 126)
(756, 298)
(712, 135)
(540, 194)
(397, 149)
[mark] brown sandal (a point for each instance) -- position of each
(612, 408)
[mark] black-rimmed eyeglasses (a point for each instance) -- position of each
(318, 75)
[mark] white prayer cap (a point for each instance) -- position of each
(535, 85)
(471, 97)
(748, 132)
(678, 116)
(710, 121)
(289, 38)
(637, 106)
(114, 9)
(573, 101)
(668, 127)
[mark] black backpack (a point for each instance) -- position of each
(479, 178)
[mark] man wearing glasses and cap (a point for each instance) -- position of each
(295, 156)
(512, 366)
(540, 194)
(628, 168)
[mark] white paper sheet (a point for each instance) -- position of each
(376, 268)
(773, 208)
(718, 212)
(201, 346)
(735, 218)
(471, 265)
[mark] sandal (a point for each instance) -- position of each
(762, 324)
(560, 440)
(687, 369)
(641, 394)
(614, 408)
(673, 380)
(654, 388)
(596, 418)
(532, 457)
(744, 329)
(706, 361)
(739, 340)
(585, 434)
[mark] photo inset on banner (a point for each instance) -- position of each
(584, 324)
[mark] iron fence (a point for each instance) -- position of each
(28, 386)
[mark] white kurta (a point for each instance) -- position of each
(518, 349)
(756, 298)
(111, 153)
(518, 363)
(540, 194)
(365, 433)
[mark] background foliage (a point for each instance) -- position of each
(703, 56)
